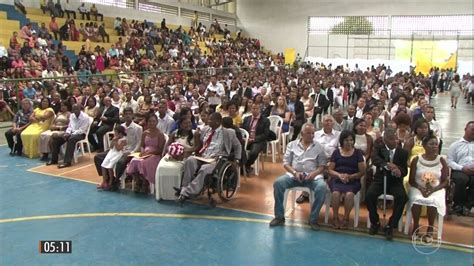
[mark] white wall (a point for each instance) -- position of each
(281, 24)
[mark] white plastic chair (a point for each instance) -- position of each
(293, 190)
(245, 136)
(400, 222)
(285, 137)
(82, 144)
(409, 218)
(328, 200)
(106, 139)
(276, 123)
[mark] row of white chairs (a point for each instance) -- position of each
(357, 198)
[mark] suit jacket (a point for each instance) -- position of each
(262, 130)
(112, 115)
(231, 144)
(299, 112)
(323, 101)
(380, 158)
(345, 125)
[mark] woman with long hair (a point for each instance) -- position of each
(281, 109)
(143, 166)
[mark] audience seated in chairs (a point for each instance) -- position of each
(304, 162)
(108, 116)
(428, 180)
(133, 137)
(76, 131)
(390, 161)
(216, 141)
(346, 167)
(20, 122)
(143, 167)
(258, 127)
(461, 162)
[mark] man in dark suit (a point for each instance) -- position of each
(321, 103)
(107, 117)
(390, 161)
(298, 113)
(258, 127)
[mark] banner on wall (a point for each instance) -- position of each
(427, 54)
(290, 56)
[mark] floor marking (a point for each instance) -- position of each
(79, 168)
(32, 170)
(354, 231)
(467, 249)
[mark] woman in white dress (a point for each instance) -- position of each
(456, 90)
(428, 180)
(169, 170)
(113, 156)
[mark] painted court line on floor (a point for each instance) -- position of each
(32, 170)
(297, 222)
(202, 217)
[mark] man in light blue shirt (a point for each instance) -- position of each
(461, 161)
(304, 162)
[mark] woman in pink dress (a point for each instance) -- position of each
(143, 168)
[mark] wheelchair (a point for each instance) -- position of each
(224, 180)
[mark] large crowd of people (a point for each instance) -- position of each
(350, 128)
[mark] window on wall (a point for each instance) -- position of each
(400, 25)
(117, 3)
(432, 25)
(376, 25)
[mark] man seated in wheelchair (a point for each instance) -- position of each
(215, 142)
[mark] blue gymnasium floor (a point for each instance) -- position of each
(125, 229)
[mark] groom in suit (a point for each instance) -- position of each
(104, 122)
(258, 127)
(390, 161)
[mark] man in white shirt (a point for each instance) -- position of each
(165, 122)
(76, 131)
(128, 103)
(361, 108)
(461, 161)
(134, 135)
(329, 140)
(428, 115)
(304, 162)
(215, 86)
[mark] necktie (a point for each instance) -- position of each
(392, 152)
(317, 100)
(207, 143)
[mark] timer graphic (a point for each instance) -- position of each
(54, 246)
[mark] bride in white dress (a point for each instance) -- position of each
(428, 180)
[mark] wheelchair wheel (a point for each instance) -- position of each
(228, 181)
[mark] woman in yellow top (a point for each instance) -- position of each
(232, 113)
(40, 121)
